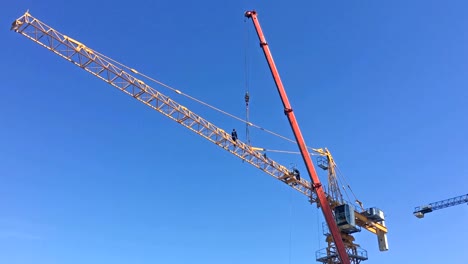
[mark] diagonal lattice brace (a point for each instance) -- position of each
(102, 67)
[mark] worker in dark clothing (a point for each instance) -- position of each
(234, 135)
(297, 174)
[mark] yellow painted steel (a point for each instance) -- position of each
(103, 68)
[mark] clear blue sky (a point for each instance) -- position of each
(89, 175)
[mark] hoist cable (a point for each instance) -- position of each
(199, 101)
(247, 92)
(342, 176)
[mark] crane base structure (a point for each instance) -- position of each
(329, 254)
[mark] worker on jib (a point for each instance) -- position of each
(234, 135)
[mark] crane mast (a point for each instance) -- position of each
(420, 211)
(288, 111)
(123, 78)
(326, 162)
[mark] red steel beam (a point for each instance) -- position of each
(317, 186)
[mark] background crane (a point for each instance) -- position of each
(122, 78)
(420, 211)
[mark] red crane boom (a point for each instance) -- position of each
(317, 186)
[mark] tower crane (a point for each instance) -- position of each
(420, 211)
(340, 214)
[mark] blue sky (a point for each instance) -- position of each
(89, 175)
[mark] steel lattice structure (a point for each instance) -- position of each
(420, 211)
(123, 79)
(450, 202)
(88, 60)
